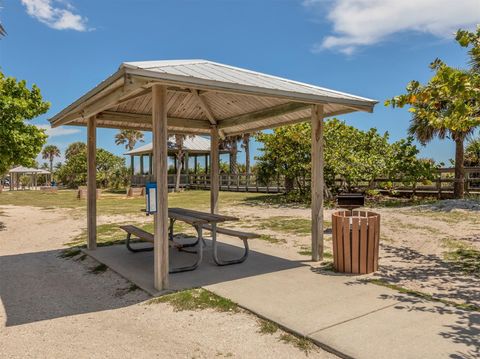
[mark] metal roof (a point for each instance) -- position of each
(213, 71)
(193, 144)
(21, 169)
(201, 92)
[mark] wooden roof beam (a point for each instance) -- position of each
(203, 104)
(118, 96)
(147, 119)
(270, 112)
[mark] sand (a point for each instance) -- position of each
(53, 307)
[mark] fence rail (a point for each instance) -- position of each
(441, 186)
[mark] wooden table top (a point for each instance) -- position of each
(203, 216)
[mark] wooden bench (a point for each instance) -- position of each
(140, 234)
(244, 236)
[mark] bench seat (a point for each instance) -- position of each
(232, 232)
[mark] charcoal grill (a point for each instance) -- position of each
(350, 201)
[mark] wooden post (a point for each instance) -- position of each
(91, 184)
(214, 169)
(206, 163)
(159, 139)
(195, 164)
(150, 164)
(132, 164)
(317, 182)
(141, 165)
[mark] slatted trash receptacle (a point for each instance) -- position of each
(356, 238)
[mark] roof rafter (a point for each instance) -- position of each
(147, 119)
(203, 104)
(247, 118)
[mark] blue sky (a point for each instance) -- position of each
(366, 47)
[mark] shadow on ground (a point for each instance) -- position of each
(40, 286)
(429, 272)
(138, 267)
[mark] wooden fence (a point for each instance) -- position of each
(441, 186)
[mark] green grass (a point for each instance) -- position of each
(118, 203)
(271, 239)
(110, 234)
(69, 253)
(426, 296)
(267, 327)
(98, 269)
(196, 299)
(298, 342)
(462, 256)
(298, 226)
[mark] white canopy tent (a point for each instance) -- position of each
(202, 97)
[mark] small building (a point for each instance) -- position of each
(196, 147)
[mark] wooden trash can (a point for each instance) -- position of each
(136, 192)
(356, 239)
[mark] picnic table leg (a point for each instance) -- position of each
(221, 262)
(199, 256)
(127, 242)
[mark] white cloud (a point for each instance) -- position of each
(57, 14)
(359, 23)
(58, 131)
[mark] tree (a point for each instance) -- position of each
(110, 169)
(49, 153)
(75, 148)
(351, 155)
(129, 138)
(230, 143)
(179, 139)
(20, 142)
(246, 146)
(472, 153)
(448, 105)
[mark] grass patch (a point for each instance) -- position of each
(98, 269)
(110, 234)
(462, 256)
(466, 260)
(267, 327)
(113, 202)
(303, 344)
(397, 202)
(271, 239)
(196, 299)
(70, 253)
(426, 296)
(299, 226)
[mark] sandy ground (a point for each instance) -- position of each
(55, 308)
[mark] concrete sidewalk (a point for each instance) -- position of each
(340, 313)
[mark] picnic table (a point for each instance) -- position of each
(200, 221)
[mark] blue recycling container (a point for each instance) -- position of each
(151, 197)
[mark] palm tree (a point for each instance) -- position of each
(472, 153)
(246, 146)
(425, 132)
(231, 143)
(129, 138)
(49, 153)
(74, 149)
(179, 144)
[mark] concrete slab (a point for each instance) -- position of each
(340, 313)
(138, 267)
(409, 329)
